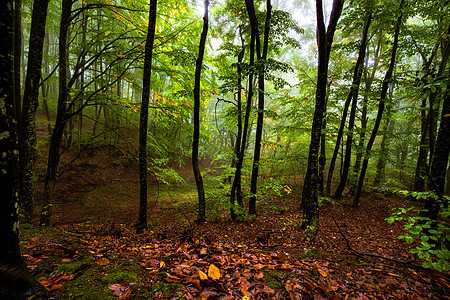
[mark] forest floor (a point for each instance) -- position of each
(91, 251)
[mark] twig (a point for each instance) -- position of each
(357, 253)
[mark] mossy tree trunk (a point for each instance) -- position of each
(325, 36)
(30, 103)
(16, 281)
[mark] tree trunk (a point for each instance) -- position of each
(354, 90)
(61, 116)
(236, 186)
(364, 118)
(143, 120)
(260, 118)
(16, 281)
(196, 138)
(439, 161)
(27, 131)
(381, 105)
(324, 41)
(421, 166)
(380, 175)
(17, 46)
(245, 131)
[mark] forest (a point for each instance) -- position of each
(224, 149)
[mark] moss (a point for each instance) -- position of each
(167, 289)
(273, 279)
(93, 283)
(120, 277)
(70, 267)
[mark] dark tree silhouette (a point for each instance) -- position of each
(143, 121)
(196, 137)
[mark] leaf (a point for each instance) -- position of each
(213, 272)
(102, 261)
(202, 275)
(322, 272)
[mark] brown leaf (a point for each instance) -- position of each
(282, 257)
(102, 261)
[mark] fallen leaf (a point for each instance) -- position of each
(322, 272)
(102, 261)
(213, 272)
(202, 275)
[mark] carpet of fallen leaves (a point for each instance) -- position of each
(263, 258)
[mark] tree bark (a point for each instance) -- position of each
(196, 137)
(381, 105)
(27, 128)
(260, 116)
(245, 131)
(61, 116)
(16, 281)
(364, 118)
(354, 90)
(143, 120)
(441, 152)
(310, 195)
(17, 58)
(236, 186)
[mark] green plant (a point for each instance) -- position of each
(433, 235)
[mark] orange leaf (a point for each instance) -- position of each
(322, 272)
(213, 272)
(202, 275)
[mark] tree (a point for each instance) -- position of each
(310, 200)
(352, 98)
(143, 120)
(27, 128)
(381, 105)
(196, 135)
(16, 281)
(262, 57)
(61, 118)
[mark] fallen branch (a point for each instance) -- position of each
(360, 254)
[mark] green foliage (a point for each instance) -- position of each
(433, 237)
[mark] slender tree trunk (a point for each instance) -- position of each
(310, 195)
(27, 129)
(260, 118)
(16, 281)
(245, 130)
(364, 118)
(381, 105)
(61, 116)
(236, 186)
(322, 155)
(196, 138)
(354, 90)
(421, 166)
(380, 175)
(143, 120)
